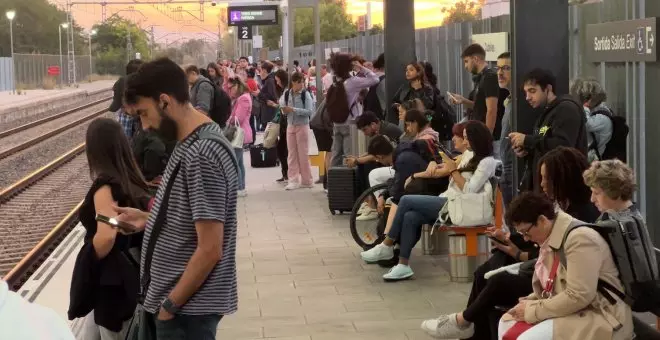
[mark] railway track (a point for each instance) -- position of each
(38, 211)
(30, 134)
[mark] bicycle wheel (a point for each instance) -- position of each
(367, 233)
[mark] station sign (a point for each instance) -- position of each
(621, 41)
(252, 15)
(494, 44)
(244, 33)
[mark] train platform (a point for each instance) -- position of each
(299, 275)
(9, 101)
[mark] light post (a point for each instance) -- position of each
(91, 33)
(59, 28)
(11, 15)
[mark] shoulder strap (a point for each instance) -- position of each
(603, 287)
(286, 97)
(220, 139)
(155, 232)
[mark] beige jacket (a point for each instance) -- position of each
(578, 310)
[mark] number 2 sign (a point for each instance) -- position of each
(244, 33)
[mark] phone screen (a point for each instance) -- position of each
(117, 224)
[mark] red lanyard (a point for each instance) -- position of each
(550, 284)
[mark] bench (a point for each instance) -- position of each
(468, 247)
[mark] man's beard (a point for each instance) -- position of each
(168, 129)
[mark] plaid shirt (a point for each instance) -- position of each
(128, 123)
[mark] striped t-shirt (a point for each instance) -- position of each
(204, 189)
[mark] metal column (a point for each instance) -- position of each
(399, 45)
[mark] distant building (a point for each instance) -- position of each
(494, 8)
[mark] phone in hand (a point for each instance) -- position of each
(451, 97)
(498, 240)
(113, 222)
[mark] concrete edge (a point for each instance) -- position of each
(47, 98)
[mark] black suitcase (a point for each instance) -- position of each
(342, 189)
(261, 157)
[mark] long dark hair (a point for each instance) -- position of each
(430, 76)
(421, 75)
(563, 168)
(109, 154)
(481, 143)
(216, 68)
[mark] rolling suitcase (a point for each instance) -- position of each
(261, 157)
(342, 189)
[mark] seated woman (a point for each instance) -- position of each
(565, 303)
(561, 180)
(470, 176)
(612, 185)
(416, 124)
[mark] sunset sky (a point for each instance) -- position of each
(181, 22)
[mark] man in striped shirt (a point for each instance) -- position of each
(188, 270)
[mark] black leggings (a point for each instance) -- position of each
(502, 289)
(282, 149)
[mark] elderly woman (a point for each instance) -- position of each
(592, 96)
(565, 303)
(612, 185)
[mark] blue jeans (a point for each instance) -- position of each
(241, 168)
(412, 212)
(182, 327)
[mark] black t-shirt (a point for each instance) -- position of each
(87, 212)
(486, 86)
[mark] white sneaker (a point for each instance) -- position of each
(368, 215)
(307, 186)
(399, 272)
(377, 253)
(242, 193)
(292, 186)
(446, 327)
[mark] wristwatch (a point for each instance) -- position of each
(169, 306)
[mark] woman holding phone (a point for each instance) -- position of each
(105, 276)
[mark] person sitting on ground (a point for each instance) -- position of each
(561, 180)
(470, 176)
(201, 90)
(566, 304)
(591, 94)
(371, 126)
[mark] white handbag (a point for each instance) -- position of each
(469, 209)
(239, 135)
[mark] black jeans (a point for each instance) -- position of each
(282, 149)
(502, 289)
(182, 327)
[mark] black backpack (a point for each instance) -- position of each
(220, 105)
(616, 147)
(634, 256)
(336, 103)
(303, 96)
(443, 117)
(372, 102)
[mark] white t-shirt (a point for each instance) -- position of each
(22, 320)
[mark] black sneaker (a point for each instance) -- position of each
(281, 180)
(391, 262)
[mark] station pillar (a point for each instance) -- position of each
(539, 39)
(399, 46)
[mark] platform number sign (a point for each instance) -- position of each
(244, 33)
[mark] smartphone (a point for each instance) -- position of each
(450, 95)
(113, 222)
(498, 240)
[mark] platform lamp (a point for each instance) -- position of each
(91, 70)
(64, 25)
(11, 14)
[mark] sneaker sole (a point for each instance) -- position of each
(399, 279)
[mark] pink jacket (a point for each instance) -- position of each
(241, 110)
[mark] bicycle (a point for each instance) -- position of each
(369, 233)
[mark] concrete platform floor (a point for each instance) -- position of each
(300, 276)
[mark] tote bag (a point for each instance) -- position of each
(272, 132)
(469, 209)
